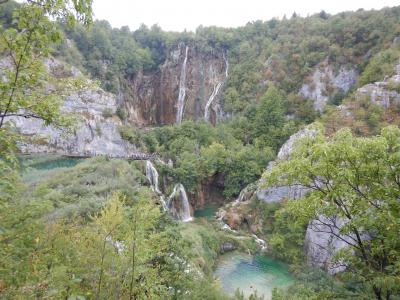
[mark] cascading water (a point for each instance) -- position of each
(182, 210)
(210, 100)
(182, 90)
(260, 242)
(152, 177)
(226, 64)
(215, 91)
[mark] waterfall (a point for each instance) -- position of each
(226, 65)
(215, 90)
(210, 100)
(260, 242)
(152, 177)
(182, 90)
(182, 212)
(242, 194)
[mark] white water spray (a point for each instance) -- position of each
(210, 100)
(183, 212)
(260, 242)
(152, 177)
(215, 90)
(226, 65)
(182, 90)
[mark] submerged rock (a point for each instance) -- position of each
(226, 247)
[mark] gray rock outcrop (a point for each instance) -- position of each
(280, 193)
(95, 132)
(384, 93)
(323, 240)
(325, 79)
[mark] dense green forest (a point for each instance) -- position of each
(93, 228)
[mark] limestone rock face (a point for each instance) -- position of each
(94, 133)
(152, 97)
(280, 193)
(381, 92)
(324, 81)
(323, 240)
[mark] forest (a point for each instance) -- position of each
(97, 224)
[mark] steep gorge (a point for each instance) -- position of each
(189, 83)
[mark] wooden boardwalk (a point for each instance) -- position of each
(133, 156)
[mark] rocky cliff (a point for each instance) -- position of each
(325, 82)
(96, 131)
(188, 85)
(280, 193)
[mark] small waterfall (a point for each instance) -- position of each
(152, 177)
(210, 100)
(260, 242)
(242, 194)
(182, 90)
(182, 212)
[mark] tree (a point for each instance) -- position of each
(356, 181)
(26, 89)
(270, 117)
(23, 84)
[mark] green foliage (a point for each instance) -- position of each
(107, 113)
(347, 176)
(316, 284)
(201, 152)
(287, 239)
(270, 119)
(380, 66)
(24, 85)
(70, 235)
(8, 166)
(122, 113)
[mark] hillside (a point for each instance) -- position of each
(278, 139)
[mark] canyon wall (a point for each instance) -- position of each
(189, 81)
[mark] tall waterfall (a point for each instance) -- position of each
(210, 100)
(215, 90)
(152, 177)
(226, 65)
(182, 90)
(181, 210)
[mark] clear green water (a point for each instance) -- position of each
(208, 211)
(57, 163)
(250, 273)
(38, 167)
(49, 162)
